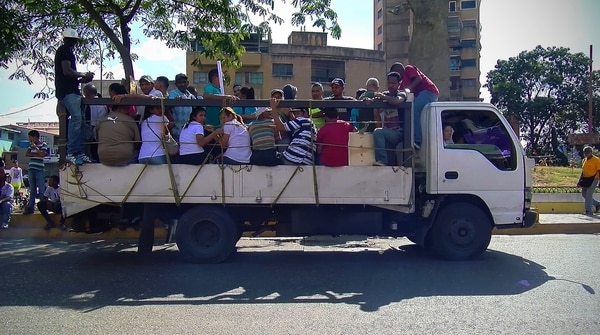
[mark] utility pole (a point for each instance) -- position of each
(590, 98)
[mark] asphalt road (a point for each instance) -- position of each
(523, 285)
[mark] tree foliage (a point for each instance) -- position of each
(546, 90)
(31, 29)
(429, 39)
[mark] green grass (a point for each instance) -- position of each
(553, 176)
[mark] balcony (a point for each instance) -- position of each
(455, 26)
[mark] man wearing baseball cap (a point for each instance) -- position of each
(67, 80)
(337, 93)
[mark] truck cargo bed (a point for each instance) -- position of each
(87, 186)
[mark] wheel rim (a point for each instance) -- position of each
(207, 234)
(462, 232)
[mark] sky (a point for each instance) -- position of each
(508, 27)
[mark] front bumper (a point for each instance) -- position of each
(530, 218)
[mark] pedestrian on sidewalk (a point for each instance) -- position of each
(590, 172)
(6, 200)
(16, 176)
(51, 202)
(36, 153)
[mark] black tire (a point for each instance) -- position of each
(206, 234)
(461, 231)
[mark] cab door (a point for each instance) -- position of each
(484, 159)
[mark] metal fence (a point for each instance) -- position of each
(557, 189)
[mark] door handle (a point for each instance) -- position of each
(451, 175)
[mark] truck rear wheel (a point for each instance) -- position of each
(206, 234)
(460, 231)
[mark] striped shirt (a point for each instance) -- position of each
(262, 133)
(302, 147)
(37, 163)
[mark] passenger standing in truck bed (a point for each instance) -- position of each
(118, 137)
(236, 138)
(153, 127)
(333, 139)
(262, 134)
(193, 139)
(302, 147)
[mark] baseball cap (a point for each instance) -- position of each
(289, 92)
(181, 76)
(147, 78)
(276, 91)
(70, 33)
(338, 81)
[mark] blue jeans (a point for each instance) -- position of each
(7, 208)
(588, 194)
(385, 139)
(422, 99)
(156, 160)
(37, 187)
(72, 103)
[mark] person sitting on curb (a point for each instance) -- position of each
(6, 199)
(51, 202)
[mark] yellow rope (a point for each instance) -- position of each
(197, 172)
(135, 182)
(298, 168)
(170, 166)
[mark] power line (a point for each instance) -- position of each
(25, 109)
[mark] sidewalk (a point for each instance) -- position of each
(31, 227)
(558, 224)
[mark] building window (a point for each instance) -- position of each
(379, 13)
(200, 77)
(469, 82)
(471, 4)
(283, 70)
(469, 23)
(454, 83)
(254, 78)
(454, 63)
(379, 30)
(469, 62)
(452, 6)
(239, 77)
(324, 71)
(469, 43)
(380, 46)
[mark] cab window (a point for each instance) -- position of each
(481, 131)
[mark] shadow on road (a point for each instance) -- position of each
(88, 276)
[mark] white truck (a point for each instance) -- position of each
(444, 197)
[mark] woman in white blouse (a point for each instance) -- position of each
(153, 127)
(235, 138)
(192, 139)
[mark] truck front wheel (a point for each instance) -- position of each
(460, 231)
(206, 234)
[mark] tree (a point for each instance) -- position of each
(428, 48)
(545, 89)
(35, 27)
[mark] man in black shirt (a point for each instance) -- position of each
(67, 81)
(337, 93)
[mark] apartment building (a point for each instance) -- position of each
(304, 60)
(393, 24)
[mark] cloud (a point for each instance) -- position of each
(155, 50)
